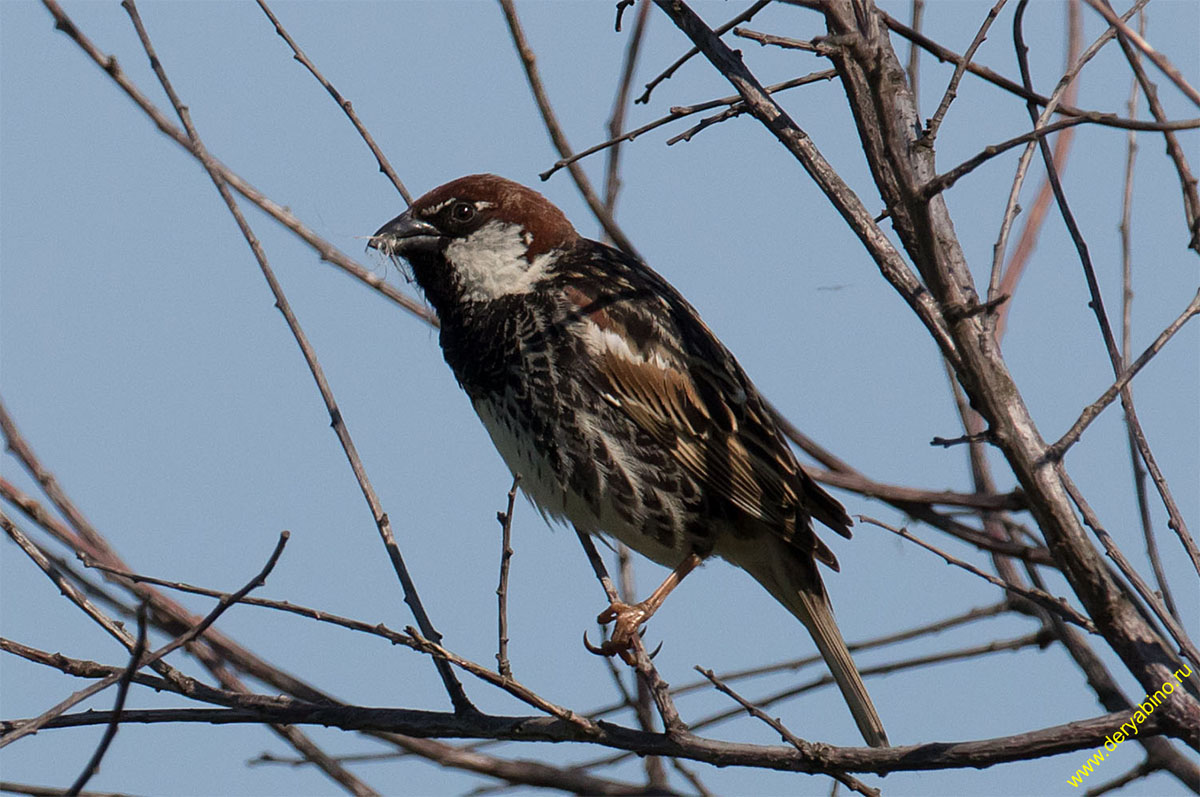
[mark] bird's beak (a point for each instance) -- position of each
(404, 234)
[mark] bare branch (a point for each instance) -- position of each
(946, 54)
(135, 656)
(1058, 449)
(453, 688)
(1126, 232)
(556, 134)
(847, 203)
(327, 251)
(1043, 599)
(745, 16)
(1162, 63)
(681, 111)
(935, 121)
(944, 181)
(914, 53)
(616, 122)
(343, 103)
(1187, 181)
(1097, 300)
(152, 659)
(795, 741)
(1143, 589)
(48, 791)
(1054, 740)
(506, 553)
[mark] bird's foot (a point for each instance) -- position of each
(628, 619)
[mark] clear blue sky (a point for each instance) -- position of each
(144, 361)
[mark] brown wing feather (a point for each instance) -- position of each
(663, 401)
(710, 417)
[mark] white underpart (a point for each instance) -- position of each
(555, 501)
(491, 263)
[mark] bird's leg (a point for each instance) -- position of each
(629, 617)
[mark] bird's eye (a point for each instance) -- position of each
(462, 212)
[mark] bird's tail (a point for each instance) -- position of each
(797, 585)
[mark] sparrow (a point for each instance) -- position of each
(617, 406)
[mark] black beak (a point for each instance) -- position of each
(404, 234)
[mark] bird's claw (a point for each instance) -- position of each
(628, 619)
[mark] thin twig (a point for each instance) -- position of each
(1167, 68)
(1051, 602)
(913, 69)
(784, 42)
(508, 684)
(616, 122)
(680, 111)
(935, 122)
(1097, 300)
(949, 178)
(343, 103)
(1014, 501)
(1091, 411)
(1176, 631)
(110, 733)
(374, 629)
(529, 62)
(49, 791)
(708, 121)
(323, 248)
(152, 659)
(1187, 181)
(777, 725)
(506, 553)
(1137, 773)
(1004, 283)
(1037, 639)
(981, 436)
(745, 16)
(1125, 229)
(945, 54)
(692, 778)
(453, 688)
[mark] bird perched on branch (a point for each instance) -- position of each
(622, 413)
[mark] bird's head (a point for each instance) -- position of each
(477, 239)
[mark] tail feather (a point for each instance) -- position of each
(814, 610)
(798, 587)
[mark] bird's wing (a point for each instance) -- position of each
(682, 387)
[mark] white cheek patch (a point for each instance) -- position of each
(490, 262)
